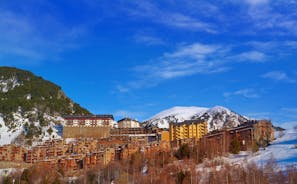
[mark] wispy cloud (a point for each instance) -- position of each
(122, 89)
(32, 38)
(285, 117)
(246, 93)
(148, 40)
(251, 56)
(288, 125)
(256, 2)
(130, 114)
(267, 15)
(185, 61)
(151, 11)
(278, 76)
(193, 59)
(259, 115)
(290, 110)
(271, 46)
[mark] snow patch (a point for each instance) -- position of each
(28, 97)
(8, 135)
(8, 84)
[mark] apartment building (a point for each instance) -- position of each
(187, 129)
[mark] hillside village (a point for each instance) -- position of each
(90, 140)
(42, 128)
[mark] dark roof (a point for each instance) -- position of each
(128, 119)
(109, 116)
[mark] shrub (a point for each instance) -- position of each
(255, 147)
(183, 152)
(50, 130)
(235, 146)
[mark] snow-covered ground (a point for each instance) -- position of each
(283, 150)
(6, 135)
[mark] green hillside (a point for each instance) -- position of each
(23, 91)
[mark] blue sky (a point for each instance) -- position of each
(137, 58)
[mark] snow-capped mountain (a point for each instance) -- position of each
(175, 114)
(216, 117)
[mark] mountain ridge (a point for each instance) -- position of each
(217, 117)
(31, 106)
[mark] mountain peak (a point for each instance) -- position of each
(183, 111)
(217, 117)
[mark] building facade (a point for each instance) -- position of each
(89, 120)
(187, 129)
(128, 123)
(95, 126)
(249, 134)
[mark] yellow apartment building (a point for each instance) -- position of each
(187, 129)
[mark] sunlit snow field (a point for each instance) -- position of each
(283, 150)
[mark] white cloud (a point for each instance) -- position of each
(259, 115)
(252, 56)
(247, 93)
(130, 114)
(256, 2)
(187, 60)
(272, 46)
(35, 38)
(268, 16)
(278, 76)
(186, 22)
(193, 59)
(148, 40)
(122, 89)
(195, 51)
(149, 10)
(289, 110)
(288, 125)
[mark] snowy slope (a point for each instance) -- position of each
(8, 134)
(217, 117)
(283, 150)
(31, 107)
(175, 114)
